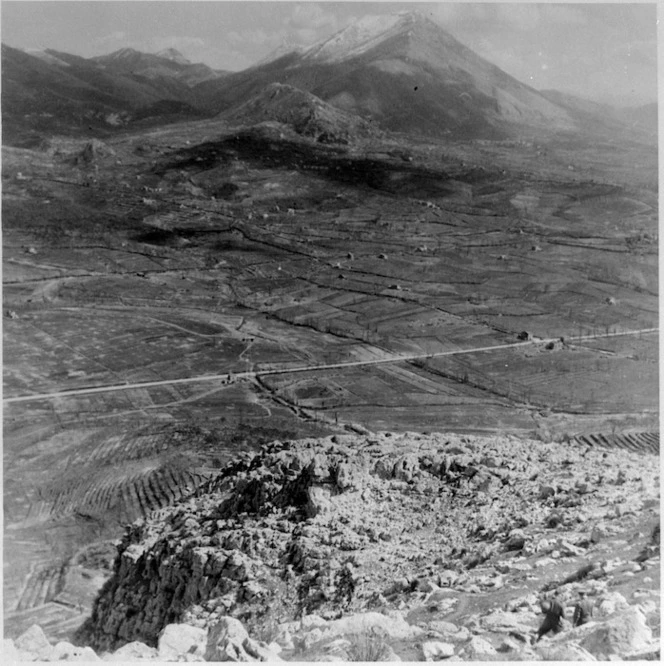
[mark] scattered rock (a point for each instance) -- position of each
(478, 649)
(571, 652)
(181, 639)
(599, 532)
(503, 622)
(393, 626)
(516, 540)
(610, 603)
(546, 491)
(509, 645)
(435, 650)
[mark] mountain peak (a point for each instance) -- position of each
(122, 54)
(366, 32)
(173, 55)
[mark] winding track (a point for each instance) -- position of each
(309, 368)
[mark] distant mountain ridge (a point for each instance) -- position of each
(642, 119)
(402, 72)
(167, 63)
(407, 73)
(52, 91)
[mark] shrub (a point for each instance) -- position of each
(368, 646)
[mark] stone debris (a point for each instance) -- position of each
(358, 545)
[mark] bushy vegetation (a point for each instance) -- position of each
(368, 646)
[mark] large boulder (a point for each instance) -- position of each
(228, 640)
(436, 650)
(623, 633)
(178, 640)
(477, 648)
(34, 641)
(134, 651)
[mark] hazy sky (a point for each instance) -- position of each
(606, 52)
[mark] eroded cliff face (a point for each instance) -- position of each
(351, 523)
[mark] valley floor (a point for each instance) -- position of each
(383, 286)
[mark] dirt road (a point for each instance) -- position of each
(309, 368)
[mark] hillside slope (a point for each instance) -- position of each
(304, 112)
(58, 92)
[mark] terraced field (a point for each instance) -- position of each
(636, 441)
(296, 278)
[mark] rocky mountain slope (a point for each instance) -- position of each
(408, 74)
(167, 63)
(438, 545)
(403, 72)
(52, 91)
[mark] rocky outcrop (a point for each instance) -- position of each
(305, 113)
(387, 531)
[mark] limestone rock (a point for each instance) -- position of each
(599, 532)
(394, 627)
(449, 631)
(318, 500)
(623, 633)
(516, 540)
(9, 652)
(34, 641)
(569, 652)
(176, 640)
(500, 621)
(477, 649)
(610, 603)
(225, 639)
(64, 651)
(435, 650)
(134, 651)
(228, 641)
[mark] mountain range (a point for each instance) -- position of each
(408, 74)
(402, 72)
